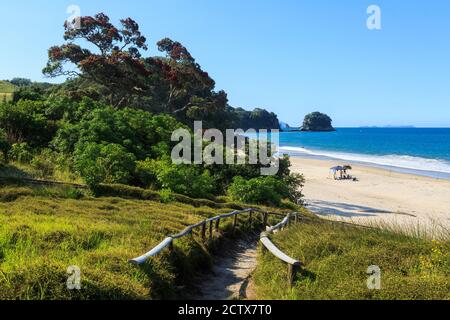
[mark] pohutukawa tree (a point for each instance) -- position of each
(173, 84)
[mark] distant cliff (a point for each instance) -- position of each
(256, 119)
(317, 121)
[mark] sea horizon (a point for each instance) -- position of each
(421, 151)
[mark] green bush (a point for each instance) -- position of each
(44, 163)
(109, 163)
(26, 121)
(262, 190)
(141, 133)
(165, 196)
(21, 152)
(192, 181)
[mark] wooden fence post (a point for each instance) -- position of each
(204, 231)
(265, 218)
(211, 230)
(292, 273)
(217, 226)
(296, 218)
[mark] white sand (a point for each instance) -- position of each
(412, 203)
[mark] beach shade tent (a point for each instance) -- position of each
(336, 169)
(341, 169)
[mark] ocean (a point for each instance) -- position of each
(424, 151)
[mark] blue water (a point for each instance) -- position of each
(421, 150)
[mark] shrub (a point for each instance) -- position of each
(193, 181)
(109, 163)
(165, 196)
(26, 121)
(44, 163)
(21, 152)
(261, 190)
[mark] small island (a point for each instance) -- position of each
(317, 122)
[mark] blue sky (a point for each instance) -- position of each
(288, 56)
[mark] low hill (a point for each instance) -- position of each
(44, 230)
(6, 91)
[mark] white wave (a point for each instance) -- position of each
(405, 162)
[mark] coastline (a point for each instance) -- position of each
(409, 166)
(382, 197)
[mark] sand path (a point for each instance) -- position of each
(230, 273)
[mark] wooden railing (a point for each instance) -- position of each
(293, 265)
(213, 224)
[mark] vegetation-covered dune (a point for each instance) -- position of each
(337, 256)
(44, 230)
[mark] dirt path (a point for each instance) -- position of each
(230, 272)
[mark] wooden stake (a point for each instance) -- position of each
(292, 273)
(266, 217)
(211, 230)
(235, 222)
(204, 231)
(217, 226)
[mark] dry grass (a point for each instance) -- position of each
(6, 97)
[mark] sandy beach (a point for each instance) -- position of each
(410, 202)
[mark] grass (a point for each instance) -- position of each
(44, 230)
(6, 91)
(336, 259)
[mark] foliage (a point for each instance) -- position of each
(21, 152)
(317, 121)
(262, 190)
(44, 163)
(21, 82)
(25, 121)
(188, 180)
(256, 119)
(103, 163)
(140, 132)
(173, 84)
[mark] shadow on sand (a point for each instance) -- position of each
(327, 208)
